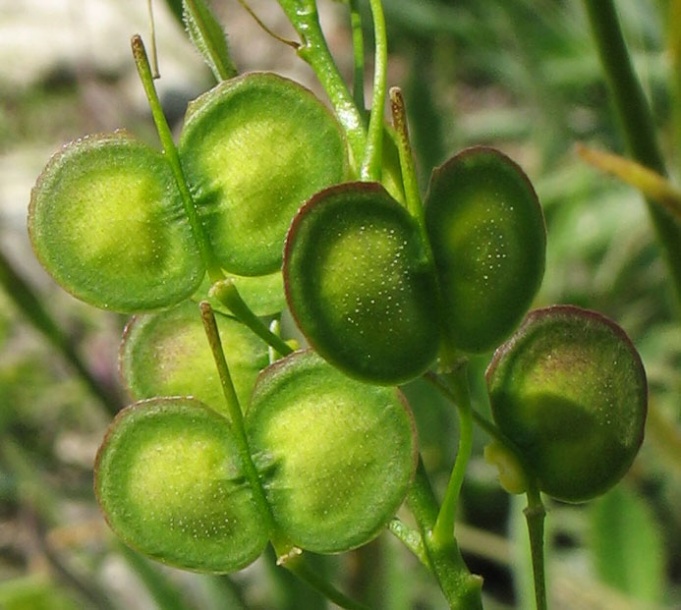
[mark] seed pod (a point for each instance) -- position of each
(165, 353)
(360, 286)
(171, 484)
(569, 390)
(336, 456)
(106, 220)
(253, 149)
(487, 234)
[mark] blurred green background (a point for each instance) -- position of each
(522, 75)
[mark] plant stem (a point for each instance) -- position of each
(288, 555)
(487, 425)
(357, 54)
(226, 292)
(298, 567)
(411, 539)
(635, 118)
(373, 155)
(535, 514)
(30, 305)
(235, 414)
(461, 589)
(443, 532)
(314, 50)
(212, 37)
(170, 150)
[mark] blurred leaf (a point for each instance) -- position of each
(34, 593)
(175, 7)
(650, 183)
(627, 548)
(164, 592)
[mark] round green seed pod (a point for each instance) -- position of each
(171, 484)
(336, 456)
(253, 149)
(165, 353)
(360, 285)
(107, 222)
(569, 390)
(487, 234)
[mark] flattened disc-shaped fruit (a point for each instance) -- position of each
(336, 456)
(569, 389)
(166, 353)
(254, 148)
(360, 286)
(487, 233)
(106, 220)
(170, 483)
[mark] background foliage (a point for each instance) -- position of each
(519, 74)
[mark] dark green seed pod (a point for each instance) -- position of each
(360, 286)
(569, 390)
(487, 234)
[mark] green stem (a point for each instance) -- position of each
(357, 54)
(298, 567)
(206, 250)
(535, 514)
(213, 39)
(635, 118)
(487, 425)
(288, 555)
(373, 155)
(226, 292)
(237, 420)
(314, 50)
(457, 391)
(457, 379)
(30, 305)
(461, 589)
(409, 538)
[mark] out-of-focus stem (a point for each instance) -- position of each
(635, 118)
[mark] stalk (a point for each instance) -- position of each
(635, 119)
(462, 590)
(373, 155)
(314, 50)
(170, 150)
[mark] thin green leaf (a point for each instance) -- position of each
(209, 38)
